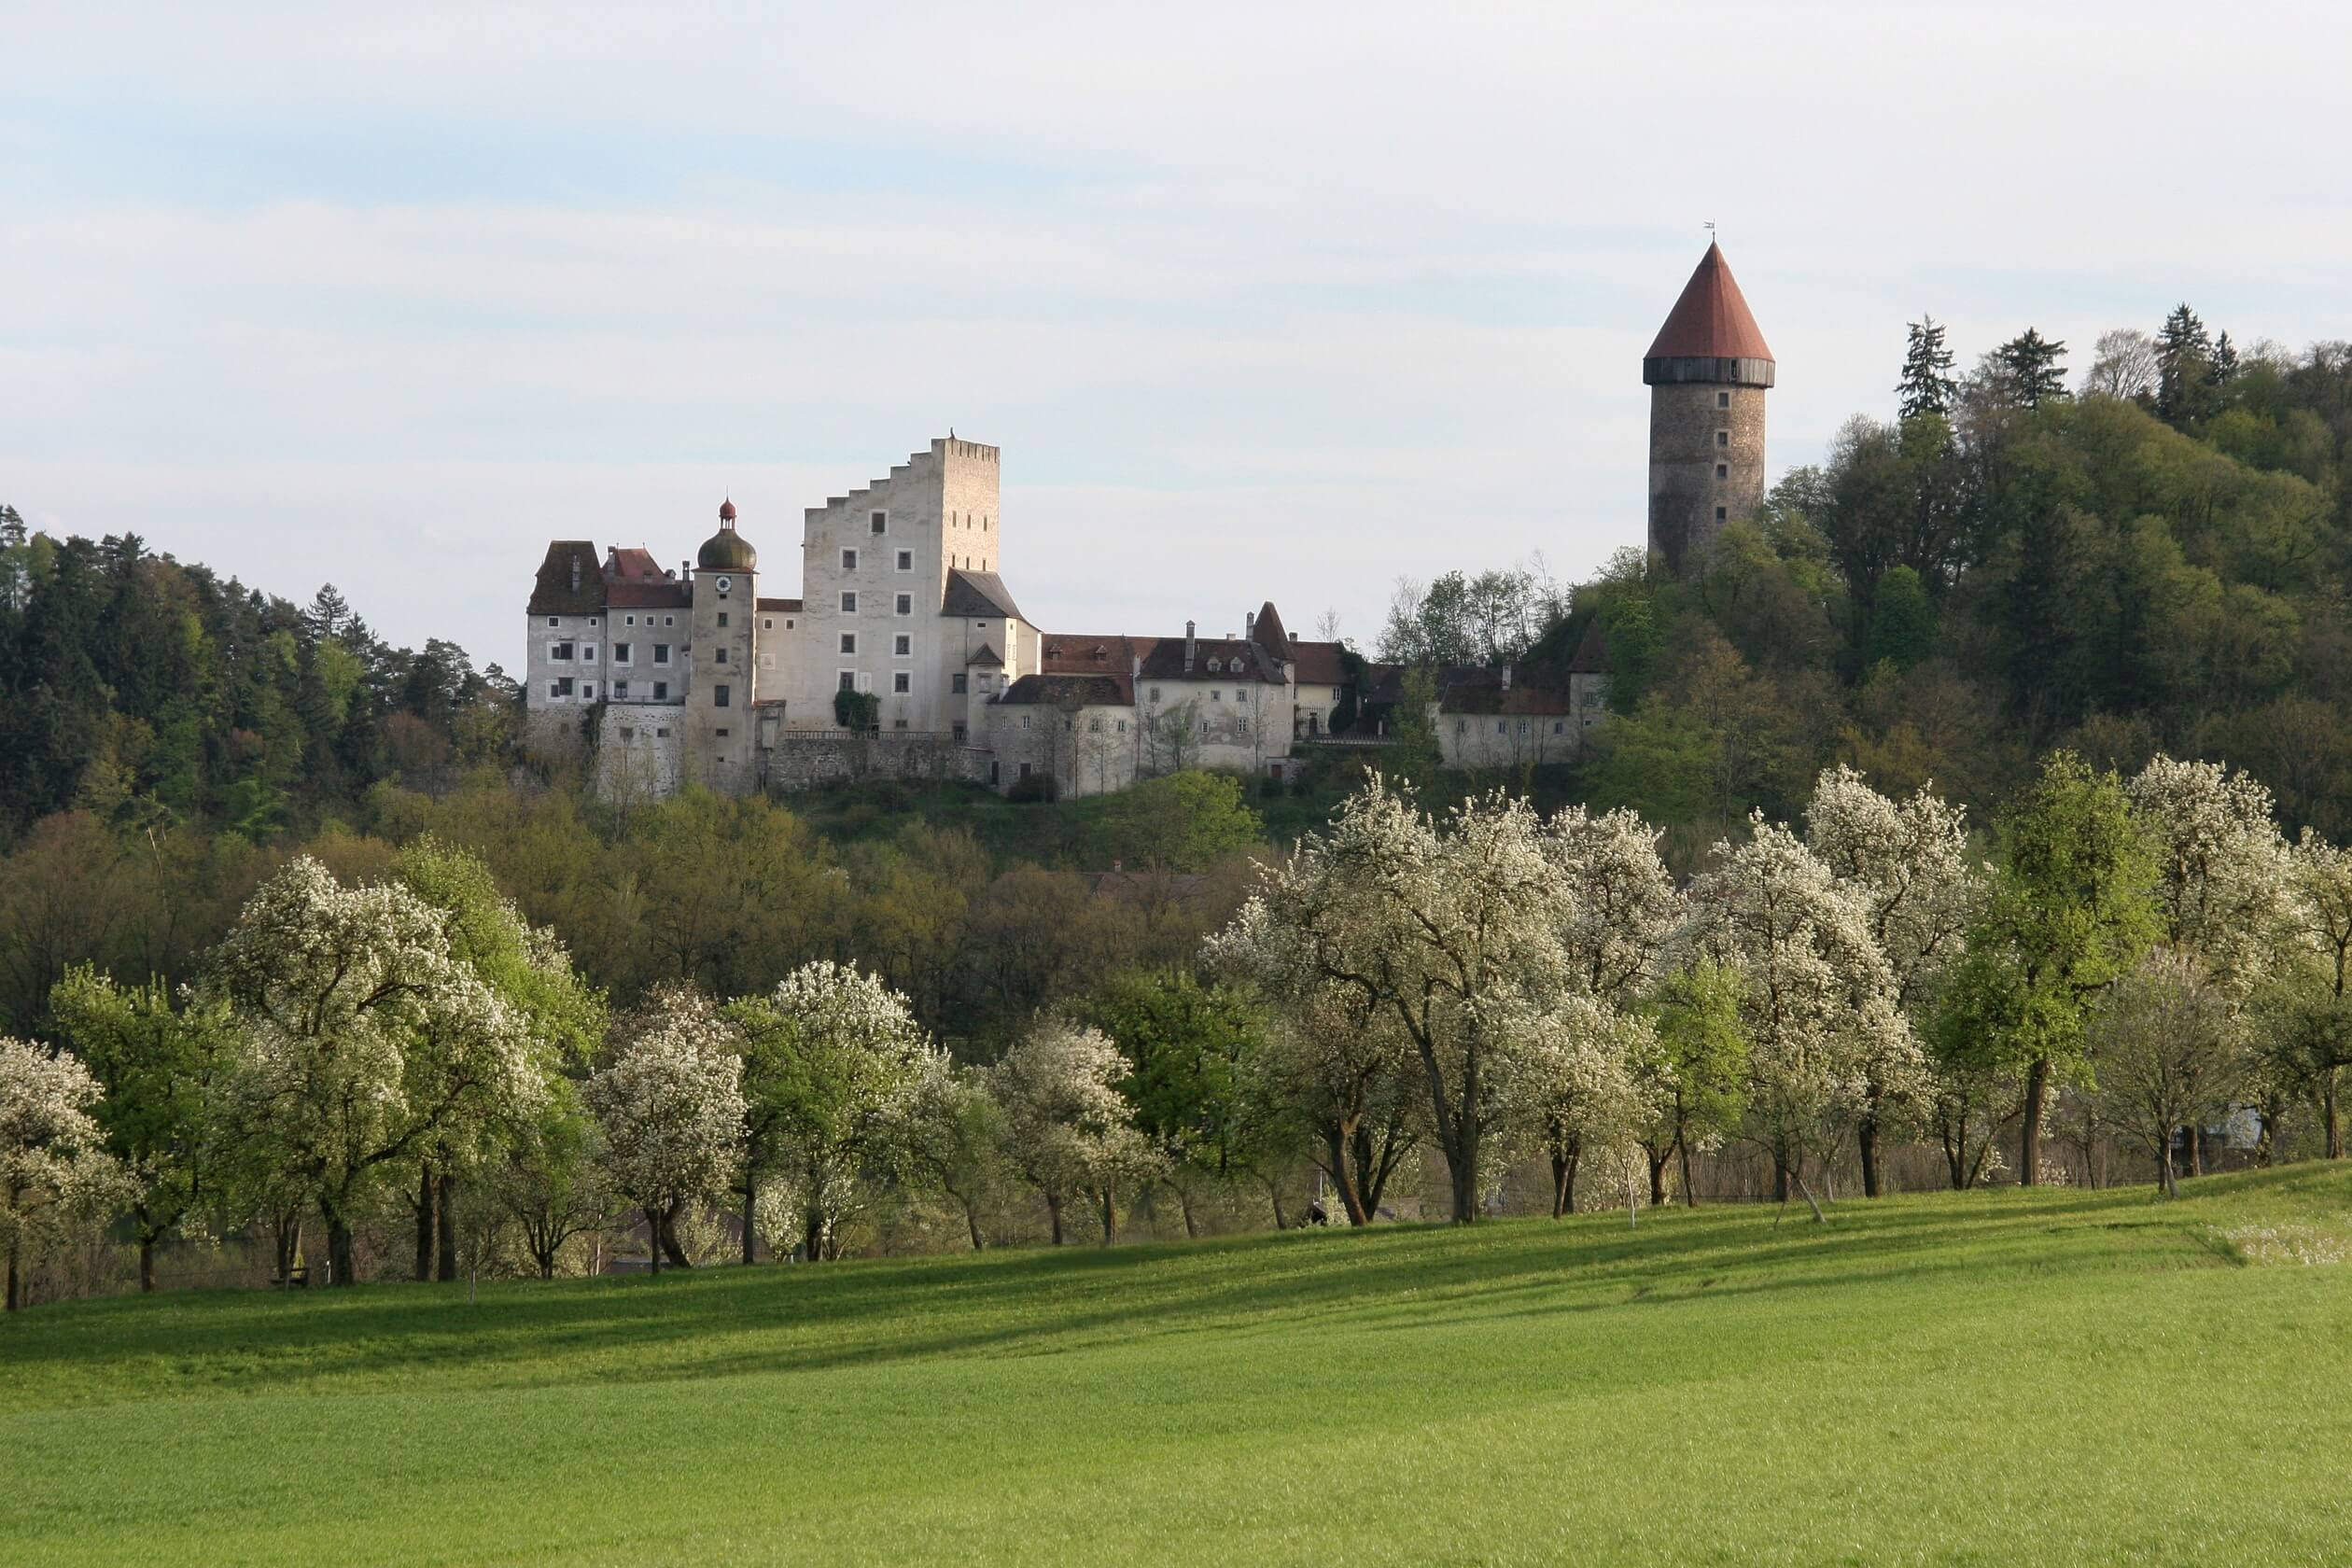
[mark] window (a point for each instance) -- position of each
(587, 690)
(1462, 726)
(560, 651)
(560, 688)
(907, 560)
(661, 693)
(1500, 727)
(1241, 725)
(661, 652)
(767, 623)
(849, 602)
(1337, 694)
(1216, 696)
(1241, 695)
(1122, 726)
(667, 620)
(848, 642)
(1560, 726)
(554, 620)
(1723, 399)
(620, 691)
(591, 620)
(1723, 470)
(721, 734)
(588, 652)
(1155, 693)
(849, 681)
(905, 604)
(1722, 514)
(722, 618)
(627, 734)
(1215, 664)
(987, 683)
(1204, 726)
(1025, 724)
(898, 724)
(719, 656)
(1723, 438)
(901, 645)
(620, 652)
(899, 683)
(662, 734)
(848, 560)
(1522, 726)
(879, 521)
(788, 622)
(955, 685)
(959, 734)
(718, 695)
(1094, 726)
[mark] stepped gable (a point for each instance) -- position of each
(1712, 319)
(978, 595)
(570, 579)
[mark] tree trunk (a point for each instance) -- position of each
(972, 1222)
(1343, 1173)
(654, 1240)
(1462, 1165)
(1690, 1188)
(750, 1205)
(1868, 1136)
(676, 1254)
(339, 1249)
(146, 1264)
(2165, 1179)
(1562, 1177)
(1053, 1215)
(1779, 1174)
(1109, 1216)
(2029, 1134)
(424, 1205)
(1658, 1158)
(1797, 1177)
(12, 1274)
(1183, 1201)
(447, 1218)
(812, 1233)
(2333, 1115)
(2196, 1148)
(290, 1243)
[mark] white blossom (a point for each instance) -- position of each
(670, 1104)
(54, 1169)
(2224, 884)
(1067, 1127)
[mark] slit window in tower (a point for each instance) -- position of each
(1723, 399)
(1723, 438)
(1723, 470)
(1723, 514)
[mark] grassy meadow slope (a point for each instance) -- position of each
(1997, 1378)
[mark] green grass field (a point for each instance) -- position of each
(1999, 1378)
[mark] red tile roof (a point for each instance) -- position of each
(657, 594)
(1711, 320)
(635, 565)
(1318, 664)
(781, 607)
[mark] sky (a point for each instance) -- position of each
(1260, 302)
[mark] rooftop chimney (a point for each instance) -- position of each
(1249, 622)
(1188, 644)
(1293, 637)
(1506, 678)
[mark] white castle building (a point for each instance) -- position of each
(661, 676)
(665, 676)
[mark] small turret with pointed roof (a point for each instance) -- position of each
(1708, 370)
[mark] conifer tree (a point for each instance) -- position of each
(2184, 366)
(1928, 386)
(2032, 362)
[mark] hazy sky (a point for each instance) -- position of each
(1261, 301)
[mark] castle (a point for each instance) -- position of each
(905, 654)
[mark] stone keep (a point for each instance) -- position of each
(718, 718)
(1707, 373)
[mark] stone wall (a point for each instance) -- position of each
(1697, 428)
(799, 760)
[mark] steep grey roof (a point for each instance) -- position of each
(975, 593)
(1071, 691)
(570, 579)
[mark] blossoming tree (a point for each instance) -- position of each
(670, 1106)
(55, 1168)
(1067, 1127)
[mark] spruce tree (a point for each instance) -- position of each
(1928, 386)
(2184, 365)
(2032, 362)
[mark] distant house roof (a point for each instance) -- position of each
(781, 607)
(1071, 690)
(570, 579)
(978, 594)
(1213, 659)
(1090, 653)
(633, 565)
(1469, 689)
(1267, 632)
(1318, 664)
(656, 595)
(1712, 319)
(1592, 651)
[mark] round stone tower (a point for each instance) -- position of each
(1707, 373)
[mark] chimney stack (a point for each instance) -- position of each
(1189, 649)
(1249, 622)
(1506, 678)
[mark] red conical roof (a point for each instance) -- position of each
(1711, 320)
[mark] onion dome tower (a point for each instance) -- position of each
(726, 550)
(1707, 373)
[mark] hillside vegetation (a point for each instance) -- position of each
(2005, 1376)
